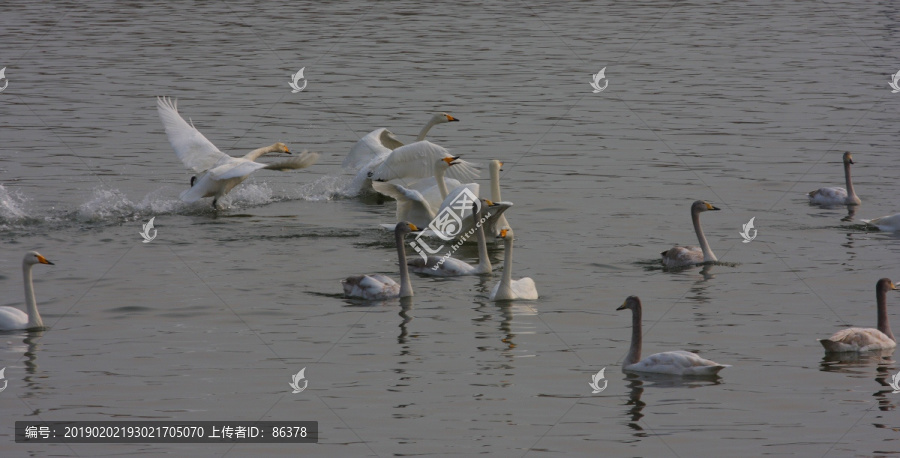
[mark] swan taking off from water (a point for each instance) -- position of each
(866, 339)
(12, 318)
(382, 141)
(680, 256)
(220, 172)
(379, 287)
(837, 195)
(507, 288)
(670, 362)
(409, 162)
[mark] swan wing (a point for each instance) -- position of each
(833, 195)
(451, 267)
(235, 168)
(411, 205)
(194, 150)
(857, 339)
(303, 160)
(524, 288)
(680, 256)
(416, 160)
(677, 363)
(378, 143)
(374, 286)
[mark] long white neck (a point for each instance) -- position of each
(405, 285)
(255, 154)
(34, 318)
(851, 194)
(708, 255)
(634, 353)
(495, 183)
(434, 120)
(484, 263)
(505, 288)
(439, 170)
(883, 324)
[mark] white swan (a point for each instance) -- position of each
(836, 195)
(440, 266)
(885, 223)
(220, 172)
(380, 287)
(495, 226)
(680, 256)
(12, 318)
(671, 362)
(507, 288)
(379, 142)
(413, 161)
(866, 339)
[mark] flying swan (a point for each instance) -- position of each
(220, 172)
(12, 318)
(837, 195)
(409, 162)
(866, 339)
(680, 256)
(382, 141)
(377, 287)
(670, 362)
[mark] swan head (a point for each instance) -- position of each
(848, 158)
(631, 302)
(496, 166)
(439, 118)
(280, 148)
(885, 284)
(405, 227)
(506, 233)
(702, 206)
(33, 257)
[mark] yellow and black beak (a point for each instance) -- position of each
(413, 228)
(503, 233)
(286, 150)
(501, 165)
(44, 260)
(451, 119)
(710, 206)
(449, 160)
(489, 203)
(622, 307)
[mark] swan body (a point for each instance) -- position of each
(409, 162)
(837, 195)
(885, 223)
(12, 318)
(496, 225)
(866, 339)
(219, 171)
(681, 256)
(507, 288)
(381, 287)
(677, 362)
(380, 142)
(446, 266)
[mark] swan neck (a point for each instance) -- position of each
(405, 284)
(439, 177)
(851, 194)
(34, 318)
(883, 324)
(255, 154)
(484, 263)
(495, 184)
(424, 131)
(634, 353)
(708, 255)
(506, 281)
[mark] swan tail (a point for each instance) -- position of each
(304, 160)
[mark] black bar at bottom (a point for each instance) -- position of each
(170, 432)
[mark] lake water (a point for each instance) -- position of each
(748, 106)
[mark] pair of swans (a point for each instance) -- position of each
(836, 195)
(680, 256)
(12, 318)
(866, 339)
(219, 171)
(670, 362)
(382, 287)
(425, 199)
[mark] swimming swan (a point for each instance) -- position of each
(837, 195)
(12, 318)
(680, 256)
(507, 288)
(866, 339)
(380, 287)
(885, 223)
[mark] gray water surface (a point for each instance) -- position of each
(748, 106)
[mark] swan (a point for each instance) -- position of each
(12, 318)
(220, 172)
(885, 223)
(382, 141)
(507, 288)
(836, 195)
(680, 256)
(380, 287)
(866, 339)
(446, 266)
(413, 161)
(500, 222)
(418, 202)
(670, 362)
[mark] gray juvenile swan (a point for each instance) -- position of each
(12, 318)
(837, 195)
(866, 339)
(380, 287)
(671, 362)
(680, 256)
